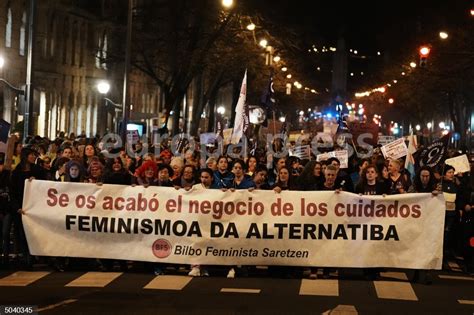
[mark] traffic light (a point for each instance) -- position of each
(424, 53)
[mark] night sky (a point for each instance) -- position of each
(391, 27)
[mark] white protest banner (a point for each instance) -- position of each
(297, 228)
(460, 163)
(341, 155)
(395, 150)
(227, 134)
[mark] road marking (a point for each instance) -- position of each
(319, 287)
(168, 282)
(94, 279)
(237, 290)
(50, 307)
(22, 278)
(455, 277)
(395, 290)
(395, 275)
(470, 302)
(454, 266)
(342, 310)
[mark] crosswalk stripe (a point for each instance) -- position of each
(470, 302)
(94, 279)
(238, 290)
(455, 277)
(168, 282)
(454, 266)
(395, 290)
(342, 310)
(22, 278)
(319, 287)
(395, 275)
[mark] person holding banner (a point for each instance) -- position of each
(311, 176)
(206, 178)
(330, 183)
(424, 182)
(284, 180)
(165, 172)
(369, 183)
(146, 174)
(251, 165)
(75, 172)
(343, 180)
(399, 183)
(260, 178)
(240, 180)
(222, 176)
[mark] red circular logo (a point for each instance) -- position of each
(161, 248)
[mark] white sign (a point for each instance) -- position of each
(302, 152)
(383, 140)
(460, 164)
(341, 155)
(395, 150)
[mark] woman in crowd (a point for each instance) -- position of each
(369, 183)
(116, 173)
(95, 171)
(74, 172)
(165, 173)
(26, 169)
(311, 177)
(450, 191)
(251, 165)
(222, 176)
(146, 174)
(187, 179)
(240, 180)
(399, 183)
(284, 180)
(90, 153)
(177, 165)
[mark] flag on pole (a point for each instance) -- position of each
(268, 100)
(435, 153)
(410, 160)
(241, 122)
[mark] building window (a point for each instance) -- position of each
(23, 34)
(65, 41)
(52, 36)
(104, 52)
(8, 32)
(98, 56)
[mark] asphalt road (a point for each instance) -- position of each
(140, 292)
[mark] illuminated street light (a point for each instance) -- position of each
(276, 58)
(417, 127)
(391, 101)
(472, 12)
(296, 83)
(425, 51)
(227, 3)
(282, 119)
(2, 62)
(301, 113)
(442, 125)
(263, 43)
(318, 68)
(429, 125)
(284, 69)
(103, 87)
(221, 110)
(288, 76)
(443, 35)
(251, 27)
(413, 64)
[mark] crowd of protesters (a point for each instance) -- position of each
(68, 159)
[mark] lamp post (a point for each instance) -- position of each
(104, 87)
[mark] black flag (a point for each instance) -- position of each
(434, 154)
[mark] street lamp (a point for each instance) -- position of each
(103, 87)
(417, 127)
(442, 125)
(391, 101)
(251, 27)
(413, 64)
(221, 110)
(263, 43)
(227, 3)
(429, 125)
(2, 62)
(443, 35)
